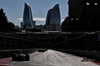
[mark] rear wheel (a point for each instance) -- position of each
(27, 57)
(14, 58)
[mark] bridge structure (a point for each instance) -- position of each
(68, 40)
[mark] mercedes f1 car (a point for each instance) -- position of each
(20, 57)
(42, 50)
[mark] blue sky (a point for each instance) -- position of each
(14, 9)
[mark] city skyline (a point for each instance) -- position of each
(14, 9)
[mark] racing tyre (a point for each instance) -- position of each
(27, 57)
(14, 58)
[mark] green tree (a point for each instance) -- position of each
(64, 25)
(5, 25)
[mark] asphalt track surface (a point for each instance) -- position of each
(53, 58)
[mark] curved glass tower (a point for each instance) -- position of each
(53, 16)
(27, 17)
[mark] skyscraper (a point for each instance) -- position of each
(27, 17)
(53, 16)
(53, 19)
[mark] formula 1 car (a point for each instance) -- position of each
(42, 50)
(20, 57)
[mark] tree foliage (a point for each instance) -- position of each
(64, 25)
(5, 25)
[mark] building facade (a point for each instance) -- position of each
(84, 15)
(75, 9)
(53, 19)
(27, 17)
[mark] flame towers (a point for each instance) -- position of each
(53, 16)
(27, 17)
(53, 19)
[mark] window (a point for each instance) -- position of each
(72, 19)
(87, 3)
(76, 18)
(95, 3)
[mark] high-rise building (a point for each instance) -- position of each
(27, 17)
(75, 9)
(84, 15)
(53, 19)
(21, 25)
(53, 16)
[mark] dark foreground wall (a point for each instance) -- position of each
(83, 42)
(88, 54)
(82, 53)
